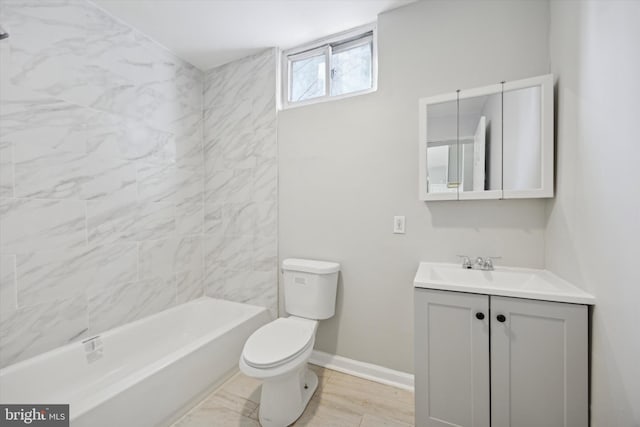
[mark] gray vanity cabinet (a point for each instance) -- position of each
(484, 360)
(452, 359)
(539, 363)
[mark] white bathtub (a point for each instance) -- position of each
(146, 373)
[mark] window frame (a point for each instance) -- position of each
(341, 41)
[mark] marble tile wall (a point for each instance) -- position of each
(241, 173)
(102, 179)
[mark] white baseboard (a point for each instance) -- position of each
(364, 370)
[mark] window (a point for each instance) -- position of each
(342, 65)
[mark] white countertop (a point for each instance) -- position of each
(504, 281)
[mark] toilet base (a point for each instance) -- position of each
(285, 398)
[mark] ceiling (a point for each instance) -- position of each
(208, 33)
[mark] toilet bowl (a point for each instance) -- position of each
(278, 352)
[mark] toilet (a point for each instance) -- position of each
(278, 352)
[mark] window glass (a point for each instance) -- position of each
(308, 78)
(338, 66)
(351, 69)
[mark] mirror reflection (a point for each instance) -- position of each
(464, 149)
(442, 147)
(522, 139)
(480, 139)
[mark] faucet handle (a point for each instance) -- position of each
(488, 261)
(466, 261)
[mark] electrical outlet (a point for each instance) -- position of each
(398, 224)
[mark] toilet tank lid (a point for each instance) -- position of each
(310, 266)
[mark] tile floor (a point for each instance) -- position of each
(340, 401)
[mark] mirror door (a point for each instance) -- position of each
(480, 143)
(440, 154)
(528, 138)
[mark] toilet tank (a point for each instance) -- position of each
(310, 288)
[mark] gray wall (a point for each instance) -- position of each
(101, 176)
(240, 142)
(594, 229)
(346, 167)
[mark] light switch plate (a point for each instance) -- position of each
(398, 224)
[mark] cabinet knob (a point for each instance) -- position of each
(479, 315)
(501, 318)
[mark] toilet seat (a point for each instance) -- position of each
(279, 342)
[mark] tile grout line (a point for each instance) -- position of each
(13, 169)
(86, 221)
(15, 280)
(203, 166)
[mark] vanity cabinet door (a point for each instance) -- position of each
(451, 359)
(539, 365)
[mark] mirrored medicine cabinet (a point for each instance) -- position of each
(493, 142)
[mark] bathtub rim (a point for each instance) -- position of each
(86, 404)
(62, 348)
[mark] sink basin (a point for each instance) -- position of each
(504, 281)
(445, 273)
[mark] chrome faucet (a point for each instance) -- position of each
(485, 264)
(466, 261)
(480, 263)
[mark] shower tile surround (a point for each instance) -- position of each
(111, 206)
(240, 198)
